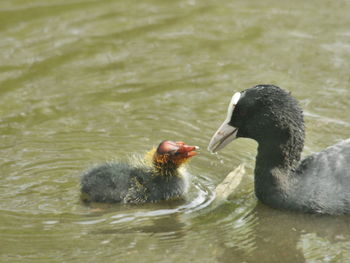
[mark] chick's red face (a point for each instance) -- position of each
(176, 150)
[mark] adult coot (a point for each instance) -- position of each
(161, 179)
(320, 183)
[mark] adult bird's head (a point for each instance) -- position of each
(264, 113)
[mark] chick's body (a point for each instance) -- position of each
(113, 182)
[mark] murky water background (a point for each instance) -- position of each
(82, 82)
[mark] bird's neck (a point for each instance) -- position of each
(165, 169)
(274, 170)
(162, 166)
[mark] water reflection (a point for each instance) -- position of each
(293, 237)
(82, 82)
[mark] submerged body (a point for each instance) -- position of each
(318, 184)
(163, 179)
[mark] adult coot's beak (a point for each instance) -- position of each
(226, 133)
(223, 136)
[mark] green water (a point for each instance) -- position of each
(82, 82)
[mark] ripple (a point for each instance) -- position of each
(201, 197)
(78, 90)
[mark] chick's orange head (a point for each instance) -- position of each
(176, 151)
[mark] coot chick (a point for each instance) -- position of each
(320, 183)
(163, 178)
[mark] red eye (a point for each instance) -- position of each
(241, 112)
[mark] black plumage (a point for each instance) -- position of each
(320, 183)
(162, 179)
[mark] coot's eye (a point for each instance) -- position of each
(173, 152)
(242, 113)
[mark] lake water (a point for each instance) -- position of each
(84, 82)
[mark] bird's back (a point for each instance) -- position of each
(323, 180)
(109, 182)
(122, 182)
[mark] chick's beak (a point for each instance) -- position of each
(187, 151)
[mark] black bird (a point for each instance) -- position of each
(162, 178)
(320, 183)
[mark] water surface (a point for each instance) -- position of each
(82, 82)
